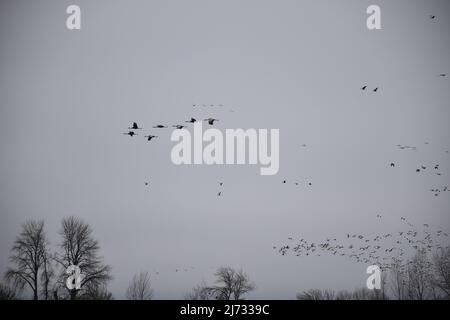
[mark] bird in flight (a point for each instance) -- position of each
(219, 194)
(392, 164)
(130, 133)
(134, 126)
(178, 126)
(159, 126)
(150, 137)
(220, 183)
(364, 88)
(375, 90)
(192, 120)
(211, 120)
(432, 17)
(442, 75)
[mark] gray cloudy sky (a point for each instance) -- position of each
(66, 97)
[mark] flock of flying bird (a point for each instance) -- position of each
(380, 249)
(134, 127)
(387, 249)
(435, 169)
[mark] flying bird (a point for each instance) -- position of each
(178, 126)
(159, 126)
(131, 133)
(150, 137)
(192, 120)
(375, 90)
(364, 88)
(134, 126)
(211, 120)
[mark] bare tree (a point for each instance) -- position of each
(140, 287)
(231, 284)
(419, 276)
(28, 256)
(79, 248)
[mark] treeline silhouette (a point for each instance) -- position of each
(35, 268)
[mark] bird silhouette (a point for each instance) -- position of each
(131, 133)
(159, 126)
(211, 121)
(150, 137)
(375, 90)
(364, 88)
(392, 164)
(192, 120)
(134, 126)
(178, 126)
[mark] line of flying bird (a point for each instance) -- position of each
(134, 126)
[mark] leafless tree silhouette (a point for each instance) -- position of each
(419, 276)
(140, 287)
(231, 284)
(79, 248)
(28, 255)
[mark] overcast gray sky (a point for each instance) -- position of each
(298, 66)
